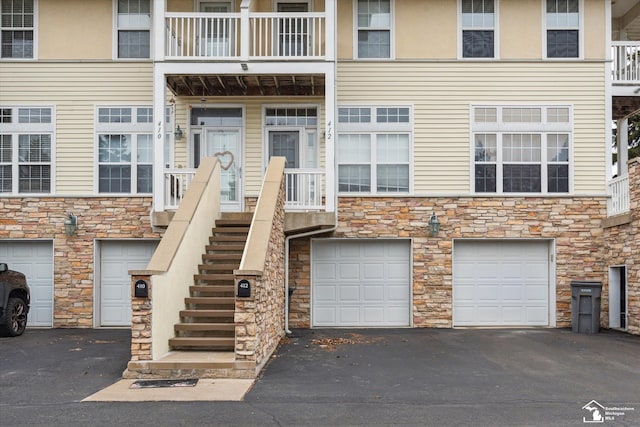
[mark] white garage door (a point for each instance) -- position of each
(116, 259)
(501, 283)
(361, 283)
(35, 260)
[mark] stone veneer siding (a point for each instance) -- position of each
(574, 223)
(260, 318)
(623, 248)
(73, 256)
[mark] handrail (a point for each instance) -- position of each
(625, 61)
(619, 201)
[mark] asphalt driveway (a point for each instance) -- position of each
(342, 377)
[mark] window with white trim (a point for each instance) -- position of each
(374, 150)
(522, 149)
(478, 28)
(133, 28)
(26, 150)
(373, 23)
(124, 149)
(17, 26)
(563, 28)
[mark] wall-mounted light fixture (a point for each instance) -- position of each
(244, 66)
(70, 224)
(434, 225)
(178, 133)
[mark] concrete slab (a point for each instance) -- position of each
(228, 390)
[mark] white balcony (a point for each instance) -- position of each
(626, 62)
(303, 188)
(619, 198)
(246, 36)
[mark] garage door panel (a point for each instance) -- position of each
(35, 260)
(501, 283)
(372, 287)
(326, 271)
(325, 293)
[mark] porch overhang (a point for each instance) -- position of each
(208, 85)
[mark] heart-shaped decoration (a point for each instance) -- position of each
(226, 159)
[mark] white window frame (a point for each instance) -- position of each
(14, 130)
(543, 128)
(116, 31)
(134, 129)
(495, 29)
(35, 34)
(391, 29)
(375, 128)
(580, 28)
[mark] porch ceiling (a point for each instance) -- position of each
(246, 85)
(624, 106)
(626, 19)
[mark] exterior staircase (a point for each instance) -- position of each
(207, 322)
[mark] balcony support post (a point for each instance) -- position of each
(245, 38)
(622, 144)
(329, 139)
(160, 131)
(158, 33)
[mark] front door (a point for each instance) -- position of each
(225, 145)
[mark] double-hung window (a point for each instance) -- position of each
(133, 22)
(374, 150)
(563, 28)
(374, 19)
(478, 28)
(17, 26)
(125, 149)
(522, 149)
(26, 150)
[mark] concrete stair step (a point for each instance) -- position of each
(201, 290)
(230, 230)
(213, 277)
(225, 247)
(205, 326)
(213, 314)
(226, 238)
(227, 257)
(228, 268)
(210, 300)
(202, 342)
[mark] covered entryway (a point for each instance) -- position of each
(501, 283)
(34, 260)
(361, 283)
(116, 258)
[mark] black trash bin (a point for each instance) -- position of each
(585, 307)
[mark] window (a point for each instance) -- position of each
(563, 23)
(374, 28)
(521, 149)
(478, 21)
(374, 150)
(17, 25)
(125, 150)
(26, 150)
(134, 28)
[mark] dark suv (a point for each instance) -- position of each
(14, 302)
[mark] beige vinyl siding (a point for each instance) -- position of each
(442, 93)
(75, 89)
(254, 142)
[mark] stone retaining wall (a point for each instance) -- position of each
(574, 224)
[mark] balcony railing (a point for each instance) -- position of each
(619, 198)
(626, 62)
(303, 188)
(269, 36)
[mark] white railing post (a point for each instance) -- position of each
(619, 197)
(245, 39)
(330, 30)
(625, 61)
(159, 30)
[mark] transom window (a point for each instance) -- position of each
(125, 149)
(374, 28)
(26, 150)
(291, 117)
(521, 149)
(134, 28)
(374, 150)
(478, 28)
(563, 28)
(17, 26)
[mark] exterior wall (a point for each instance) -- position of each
(441, 95)
(623, 248)
(73, 257)
(75, 89)
(573, 224)
(75, 29)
